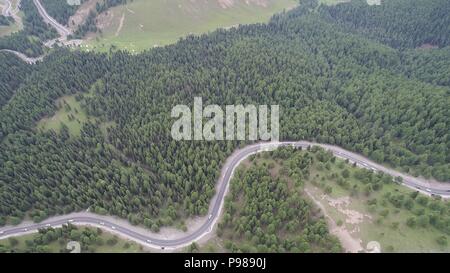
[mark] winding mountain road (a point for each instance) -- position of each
(149, 239)
(22, 56)
(7, 8)
(62, 30)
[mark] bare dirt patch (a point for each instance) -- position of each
(428, 46)
(349, 243)
(230, 3)
(275, 171)
(105, 19)
(352, 217)
(226, 3)
(82, 13)
(261, 3)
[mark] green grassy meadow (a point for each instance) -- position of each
(7, 30)
(382, 222)
(142, 24)
(69, 113)
(366, 215)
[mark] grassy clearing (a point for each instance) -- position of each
(214, 245)
(57, 246)
(366, 213)
(381, 221)
(283, 223)
(69, 113)
(143, 24)
(7, 30)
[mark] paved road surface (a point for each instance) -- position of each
(62, 30)
(9, 11)
(24, 57)
(149, 239)
(145, 237)
(7, 8)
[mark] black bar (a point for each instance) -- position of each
(143, 263)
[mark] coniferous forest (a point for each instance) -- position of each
(375, 82)
(61, 11)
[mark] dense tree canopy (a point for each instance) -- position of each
(6, 20)
(14, 72)
(333, 85)
(399, 23)
(267, 212)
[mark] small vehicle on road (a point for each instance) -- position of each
(1, 232)
(149, 241)
(209, 217)
(113, 227)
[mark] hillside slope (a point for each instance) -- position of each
(142, 24)
(333, 87)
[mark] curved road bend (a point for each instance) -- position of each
(24, 57)
(148, 239)
(16, 9)
(62, 30)
(6, 8)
